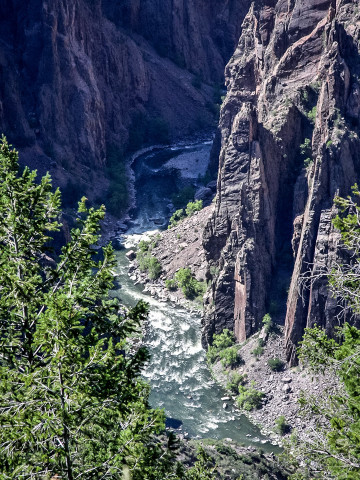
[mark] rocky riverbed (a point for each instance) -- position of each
(181, 247)
(282, 389)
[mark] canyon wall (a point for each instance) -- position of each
(77, 77)
(289, 143)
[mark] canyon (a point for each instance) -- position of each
(289, 130)
(81, 79)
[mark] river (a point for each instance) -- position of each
(180, 380)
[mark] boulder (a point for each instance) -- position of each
(286, 388)
(212, 185)
(203, 194)
(130, 255)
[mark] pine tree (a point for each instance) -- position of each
(332, 450)
(72, 402)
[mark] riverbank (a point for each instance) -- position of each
(282, 388)
(178, 374)
(182, 164)
(234, 461)
(175, 248)
(168, 337)
(181, 247)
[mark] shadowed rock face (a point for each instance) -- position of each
(197, 34)
(294, 76)
(75, 77)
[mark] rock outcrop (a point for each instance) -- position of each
(290, 143)
(77, 77)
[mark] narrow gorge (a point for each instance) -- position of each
(218, 134)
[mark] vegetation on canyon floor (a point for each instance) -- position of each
(225, 351)
(147, 262)
(182, 213)
(191, 288)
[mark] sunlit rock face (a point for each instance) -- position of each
(77, 77)
(289, 143)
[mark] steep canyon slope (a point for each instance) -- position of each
(79, 77)
(290, 143)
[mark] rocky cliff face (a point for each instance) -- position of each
(77, 77)
(197, 34)
(290, 143)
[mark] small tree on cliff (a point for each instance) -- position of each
(332, 449)
(72, 403)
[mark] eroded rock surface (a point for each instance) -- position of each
(79, 77)
(290, 142)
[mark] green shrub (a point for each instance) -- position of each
(143, 246)
(214, 271)
(249, 398)
(224, 339)
(236, 380)
(258, 351)
(143, 261)
(154, 241)
(190, 287)
(176, 218)
(267, 322)
(315, 86)
(229, 356)
(304, 95)
(312, 115)
(171, 284)
(149, 263)
(200, 289)
(276, 364)
(180, 214)
(154, 268)
(281, 426)
(226, 450)
(223, 348)
(307, 162)
(305, 148)
(183, 277)
(193, 207)
(212, 354)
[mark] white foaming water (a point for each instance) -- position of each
(178, 373)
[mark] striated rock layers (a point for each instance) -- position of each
(76, 77)
(290, 143)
